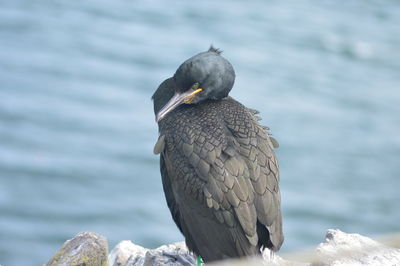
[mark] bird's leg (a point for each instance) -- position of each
(268, 256)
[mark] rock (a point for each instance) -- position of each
(128, 254)
(338, 249)
(86, 248)
(125, 251)
(90, 249)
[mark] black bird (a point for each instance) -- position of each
(219, 171)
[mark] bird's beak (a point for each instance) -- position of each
(176, 100)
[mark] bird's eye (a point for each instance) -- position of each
(192, 92)
(195, 86)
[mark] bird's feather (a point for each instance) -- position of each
(222, 185)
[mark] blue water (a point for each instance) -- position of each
(77, 127)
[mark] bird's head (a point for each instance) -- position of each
(204, 76)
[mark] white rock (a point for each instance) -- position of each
(338, 249)
(124, 251)
(128, 254)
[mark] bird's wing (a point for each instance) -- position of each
(248, 178)
(166, 182)
(168, 189)
(256, 147)
(169, 195)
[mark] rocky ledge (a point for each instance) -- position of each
(339, 248)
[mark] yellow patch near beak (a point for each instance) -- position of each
(176, 100)
(191, 96)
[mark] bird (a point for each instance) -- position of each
(218, 167)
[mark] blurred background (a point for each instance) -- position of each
(77, 126)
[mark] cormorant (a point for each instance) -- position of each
(219, 171)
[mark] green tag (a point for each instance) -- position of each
(199, 261)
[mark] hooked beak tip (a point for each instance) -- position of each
(158, 118)
(174, 102)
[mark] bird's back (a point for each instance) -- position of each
(220, 177)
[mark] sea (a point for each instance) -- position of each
(77, 127)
